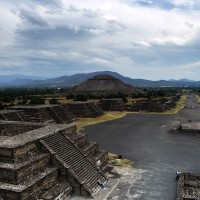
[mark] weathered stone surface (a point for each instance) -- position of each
(102, 84)
(188, 186)
(112, 105)
(40, 113)
(29, 169)
(190, 127)
(84, 109)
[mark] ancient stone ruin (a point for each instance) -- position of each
(11, 115)
(147, 105)
(102, 84)
(154, 105)
(45, 160)
(37, 113)
(188, 187)
(112, 105)
(189, 127)
(84, 109)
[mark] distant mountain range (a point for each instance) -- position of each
(18, 80)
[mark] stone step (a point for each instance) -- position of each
(78, 163)
(59, 115)
(21, 172)
(35, 186)
(61, 190)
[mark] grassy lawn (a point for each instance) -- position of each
(179, 105)
(82, 122)
(115, 161)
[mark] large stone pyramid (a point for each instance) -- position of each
(102, 84)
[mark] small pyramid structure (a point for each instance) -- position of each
(102, 84)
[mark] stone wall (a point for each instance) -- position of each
(188, 187)
(15, 129)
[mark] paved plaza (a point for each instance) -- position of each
(155, 148)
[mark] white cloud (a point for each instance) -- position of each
(119, 35)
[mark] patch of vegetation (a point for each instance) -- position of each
(53, 101)
(37, 100)
(115, 161)
(180, 104)
(108, 116)
(19, 96)
(81, 98)
(198, 98)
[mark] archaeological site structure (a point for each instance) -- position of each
(43, 157)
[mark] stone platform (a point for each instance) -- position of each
(47, 161)
(37, 113)
(188, 187)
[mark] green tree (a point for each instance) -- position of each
(37, 100)
(53, 101)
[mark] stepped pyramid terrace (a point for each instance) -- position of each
(42, 159)
(84, 109)
(102, 84)
(37, 113)
(112, 104)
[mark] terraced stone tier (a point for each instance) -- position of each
(16, 128)
(75, 161)
(20, 172)
(59, 191)
(60, 115)
(11, 115)
(36, 186)
(112, 105)
(43, 113)
(84, 109)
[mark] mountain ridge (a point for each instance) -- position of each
(75, 79)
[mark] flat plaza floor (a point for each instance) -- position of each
(156, 150)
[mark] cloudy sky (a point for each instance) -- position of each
(151, 39)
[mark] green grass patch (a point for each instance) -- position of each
(115, 161)
(108, 116)
(180, 104)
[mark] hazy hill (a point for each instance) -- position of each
(15, 77)
(69, 81)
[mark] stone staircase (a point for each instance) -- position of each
(97, 110)
(75, 162)
(89, 149)
(81, 109)
(70, 114)
(59, 115)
